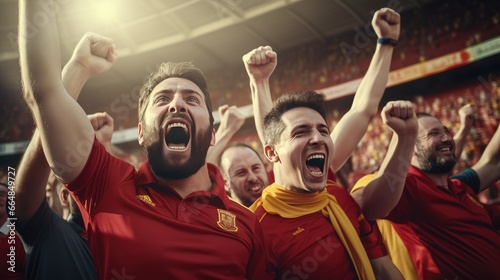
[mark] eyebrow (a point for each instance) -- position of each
(309, 126)
(302, 126)
(324, 126)
(182, 90)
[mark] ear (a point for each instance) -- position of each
(64, 197)
(271, 153)
(227, 186)
(212, 141)
(140, 135)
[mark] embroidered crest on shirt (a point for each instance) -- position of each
(227, 220)
(146, 198)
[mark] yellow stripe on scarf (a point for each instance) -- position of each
(288, 204)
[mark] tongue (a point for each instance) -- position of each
(313, 168)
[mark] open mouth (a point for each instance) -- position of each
(444, 149)
(316, 164)
(255, 189)
(177, 136)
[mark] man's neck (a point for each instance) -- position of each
(439, 179)
(199, 181)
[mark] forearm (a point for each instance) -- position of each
(372, 86)
(460, 138)
(32, 175)
(353, 125)
(222, 138)
(74, 78)
(382, 194)
(489, 164)
(262, 104)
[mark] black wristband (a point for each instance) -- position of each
(387, 41)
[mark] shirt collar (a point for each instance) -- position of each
(145, 177)
(428, 182)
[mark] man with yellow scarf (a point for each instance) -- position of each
(313, 228)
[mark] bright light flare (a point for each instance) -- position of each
(107, 9)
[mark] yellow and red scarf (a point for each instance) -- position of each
(289, 204)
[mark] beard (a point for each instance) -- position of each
(431, 163)
(175, 167)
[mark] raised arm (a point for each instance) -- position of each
(231, 120)
(352, 126)
(33, 168)
(260, 64)
(55, 112)
(488, 166)
(466, 114)
(382, 194)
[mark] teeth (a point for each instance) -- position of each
(316, 156)
(176, 147)
(254, 189)
(317, 172)
(177, 125)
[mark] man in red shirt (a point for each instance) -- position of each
(171, 218)
(313, 227)
(445, 231)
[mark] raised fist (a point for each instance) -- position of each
(400, 117)
(260, 62)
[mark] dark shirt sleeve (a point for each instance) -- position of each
(470, 177)
(33, 229)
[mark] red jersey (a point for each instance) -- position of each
(447, 232)
(309, 248)
(138, 228)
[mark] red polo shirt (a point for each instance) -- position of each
(140, 229)
(447, 232)
(309, 248)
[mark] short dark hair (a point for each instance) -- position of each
(185, 70)
(273, 124)
(236, 145)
